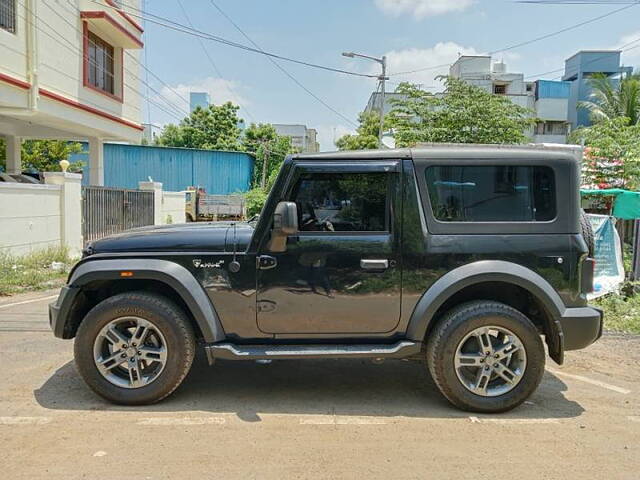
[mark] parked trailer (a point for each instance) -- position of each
(201, 207)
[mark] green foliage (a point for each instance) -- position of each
(465, 114)
(212, 128)
(270, 150)
(612, 153)
(611, 100)
(366, 137)
(255, 200)
(216, 128)
(44, 155)
(33, 271)
(621, 312)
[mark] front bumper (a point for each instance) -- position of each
(59, 310)
(581, 327)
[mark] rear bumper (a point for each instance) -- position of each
(581, 327)
(59, 310)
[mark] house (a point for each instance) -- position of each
(577, 71)
(69, 70)
(549, 100)
(301, 137)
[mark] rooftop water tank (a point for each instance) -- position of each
(499, 67)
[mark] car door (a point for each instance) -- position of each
(340, 273)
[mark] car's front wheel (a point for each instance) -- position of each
(134, 348)
(485, 356)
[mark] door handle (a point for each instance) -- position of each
(367, 264)
(266, 262)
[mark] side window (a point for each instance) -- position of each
(500, 193)
(347, 202)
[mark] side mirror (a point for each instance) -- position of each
(285, 223)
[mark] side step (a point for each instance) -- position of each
(229, 351)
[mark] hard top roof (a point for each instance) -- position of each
(454, 151)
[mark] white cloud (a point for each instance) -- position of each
(422, 8)
(219, 90)
(429, 63)
(625, 42)
(435, 59)
(328, 134)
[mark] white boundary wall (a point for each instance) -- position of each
(30, 217)
(34, 217)
(173, 208)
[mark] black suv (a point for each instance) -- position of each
(463, 255)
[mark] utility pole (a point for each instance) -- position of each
(382, 78)
(265, 164)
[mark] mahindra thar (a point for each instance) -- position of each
(465, 256)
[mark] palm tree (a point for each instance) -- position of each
(611, 100)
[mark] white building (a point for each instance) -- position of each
(301, 137)
(69, 70)
(549, 100)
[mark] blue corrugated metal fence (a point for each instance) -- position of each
(177, 168)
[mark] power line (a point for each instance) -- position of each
(213, 64)
(579, 2)
(533, 40)
(280, 67)
(173, 25)
(147, 70)
(593, 60)
(74, 49)
(170, 104)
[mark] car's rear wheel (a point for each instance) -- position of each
(485, 356)
(134, 348)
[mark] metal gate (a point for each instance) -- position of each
(107, 210)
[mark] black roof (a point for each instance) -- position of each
(455, 151)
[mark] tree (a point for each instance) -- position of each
(44, 155)
(212, 128)
(366, 137)
(610, 100)
(612, 153)
(269, 149)
(464, 114)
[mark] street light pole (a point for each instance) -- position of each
(383, 62)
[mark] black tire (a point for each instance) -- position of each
(166, 317)
(587, 233)
(452, 329)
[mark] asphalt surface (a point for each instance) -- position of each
(309, 419)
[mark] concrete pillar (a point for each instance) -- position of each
(96, 162)
(70, 208)
(14, 154)
(156, 188)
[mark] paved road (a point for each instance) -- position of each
(311, 419)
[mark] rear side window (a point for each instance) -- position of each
(347, 202)
(492, 193)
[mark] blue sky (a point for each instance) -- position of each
(412, 33)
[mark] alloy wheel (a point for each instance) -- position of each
(490, 361)
(130, 352)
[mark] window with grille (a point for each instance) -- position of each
(8, 15)
(500, 89)
(100, 64)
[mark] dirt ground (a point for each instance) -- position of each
(309, 419)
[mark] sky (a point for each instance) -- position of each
(413, 34)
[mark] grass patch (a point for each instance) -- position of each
(621, 313)
(38, 270)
